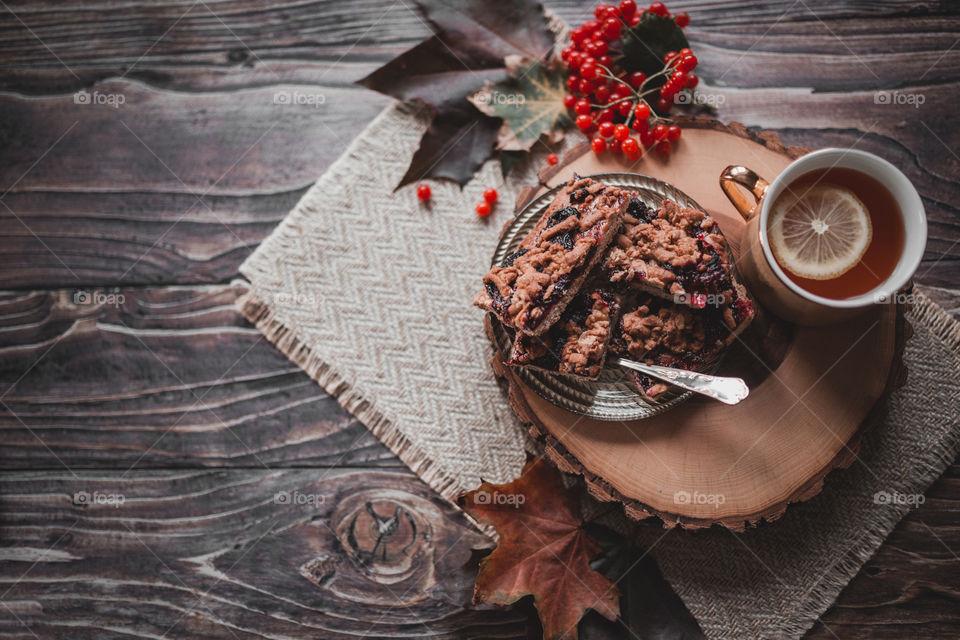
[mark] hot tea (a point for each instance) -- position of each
(856, 213)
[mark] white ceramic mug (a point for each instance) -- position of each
(766, 278)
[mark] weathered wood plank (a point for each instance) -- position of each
(145, 212)
(100, 207)
(910, 587)
(169, 377)
(238, 554)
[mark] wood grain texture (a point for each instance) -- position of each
(238, 554)
(171, 377)
(199, 80)
(204, 77)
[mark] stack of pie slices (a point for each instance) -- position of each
(603, 273)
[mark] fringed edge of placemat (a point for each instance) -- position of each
(926, 315)
(281, 336)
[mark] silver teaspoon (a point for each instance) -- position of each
(726, 390)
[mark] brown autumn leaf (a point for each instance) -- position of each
(471, 40)
(544, 551)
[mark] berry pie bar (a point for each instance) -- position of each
(659, 332)
(533, 286)
(577, 343)
(672, 252)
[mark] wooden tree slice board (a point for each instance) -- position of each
(814, 391)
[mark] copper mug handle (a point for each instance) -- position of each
(734, 177)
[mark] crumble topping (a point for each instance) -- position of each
(659, 332)
(533, 285)
(577, 343)
(672, 251)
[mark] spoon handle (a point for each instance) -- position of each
(726, 390)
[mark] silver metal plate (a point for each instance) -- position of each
(614, 395)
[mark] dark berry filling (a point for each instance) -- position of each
(559, 216)
(509, 260)
(564, 239)
(579, 195)
(637, 209)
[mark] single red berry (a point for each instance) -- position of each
(692, 81)
(611, 29)
(646, 138)
(663, 147)
(660, 9)
(585, 86)
(637, 78)
(639, 125)
(641, 111)
(591, 26)
(599, 145)
(565, 53)
(679, 79)
(630, 146)
(635, 19)
(574, 60)
(552, 158)
(622, 91)
(423, 192)
(586, 63)
(569, 100)
(624, 108)
(490, 195)
(483, 209)
(673, 132)
(687, 63)
(621, 132)
(660, 132)
(581, 107)
(605, 61)
(584, 122)
(573, 83)
(614, 146)
(578, 35)
(682, 19)
(600, 13)
(686, 51)
(669, 56)
(605, 129)
(664, 105)
(600, 48)
(607, 115)
(627, 8)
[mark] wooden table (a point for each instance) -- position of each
(166, 472)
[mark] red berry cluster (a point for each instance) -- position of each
(610, 104)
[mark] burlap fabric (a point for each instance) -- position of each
(370, 293)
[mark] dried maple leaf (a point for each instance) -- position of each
(492, 30)
(435, 73)
(471, 40)
(530, 103)
(544, 551)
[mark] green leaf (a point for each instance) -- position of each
(530, 103)
(645, 44)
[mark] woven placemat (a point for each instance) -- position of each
(370, 292)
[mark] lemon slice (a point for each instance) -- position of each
(819, 233)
